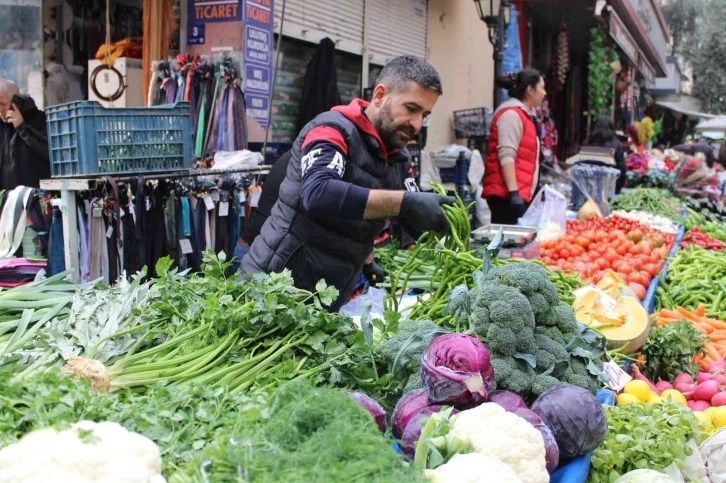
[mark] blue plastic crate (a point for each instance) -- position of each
(85, 138)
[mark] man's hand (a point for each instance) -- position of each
(14, 117)
(423, 211)
(373, 272)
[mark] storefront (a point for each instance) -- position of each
(367, 33)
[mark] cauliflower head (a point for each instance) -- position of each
(495, 433)
(88, 452)
(473, 468)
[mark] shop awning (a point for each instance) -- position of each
(717, 124)
(686, 105)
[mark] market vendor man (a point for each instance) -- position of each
(349, 170)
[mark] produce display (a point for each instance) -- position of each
(471, 369)
(650, 200)
(695, 276)
(633, 250)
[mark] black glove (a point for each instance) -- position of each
(516, 203)
(423, 210)
(373, 272)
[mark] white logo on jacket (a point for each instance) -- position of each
(309, 159)
(338, 164)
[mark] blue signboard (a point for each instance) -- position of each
(195, 34)
(259, 44)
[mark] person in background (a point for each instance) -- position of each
(24, 159)
(349, 171)
(511, 170)
(603, 136)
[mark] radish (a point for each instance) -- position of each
(703, 377)
(717, 367)
(684, 387)
(691, 404)
(635, 372)
(699, 405)
(683, 377)
(720, 378)
(662, 386)
(706, 391)
(719, 399)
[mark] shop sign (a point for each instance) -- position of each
(623, 38)
(259, 45)
(195, 34)
(204, 11)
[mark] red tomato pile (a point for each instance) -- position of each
(637, 253)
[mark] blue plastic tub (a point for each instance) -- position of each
(85, 138)
(576, 471)
(650, 295)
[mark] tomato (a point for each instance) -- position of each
(651, 269)
(639, 277)
(638, 289)
(564, 253)
(598, 276)
(626, 268)
(611, 255)
(602, 263)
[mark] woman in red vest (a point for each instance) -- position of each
(511, 170)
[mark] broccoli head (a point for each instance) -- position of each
(414, 382)
(501, 340)
(553, 333)
(479, 322)
(579, 367)
(548, 345)
(544, 359)
(561, 316)
(528, 277)
(520, 379)
(507, 306)
(503, 367)
(586, 382)
(541, 383)
(525, 341)
(539, 304)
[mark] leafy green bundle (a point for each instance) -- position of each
(312, 435)
(669, 351)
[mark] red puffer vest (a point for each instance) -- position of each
(525, 163)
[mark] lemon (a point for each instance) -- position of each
(718, 417)
(655, 400)
(639, 389)
(624, 399)
(709, 412)
(674, 396)
(702, 417)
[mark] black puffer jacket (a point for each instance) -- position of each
(24, 151)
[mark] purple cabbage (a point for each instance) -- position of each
(507, 400)
(456, 369)
(575, 418)
(406, 408)
(372, 406)
(552, 452)
(412, 432)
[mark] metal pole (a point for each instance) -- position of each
(274, 77)
(499, 43)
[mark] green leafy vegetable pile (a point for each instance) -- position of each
(644, 436)
(669, 350)
(180, 421)
(534, 338)
(313, 435)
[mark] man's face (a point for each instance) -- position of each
(402, 114)
(6, 101)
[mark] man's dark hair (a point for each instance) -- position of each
(406, 68)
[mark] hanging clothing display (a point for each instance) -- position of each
(320, 87)
(217, 103)
(123, 228)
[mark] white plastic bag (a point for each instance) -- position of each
(548, 213)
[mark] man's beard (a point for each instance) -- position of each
(393, 136)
